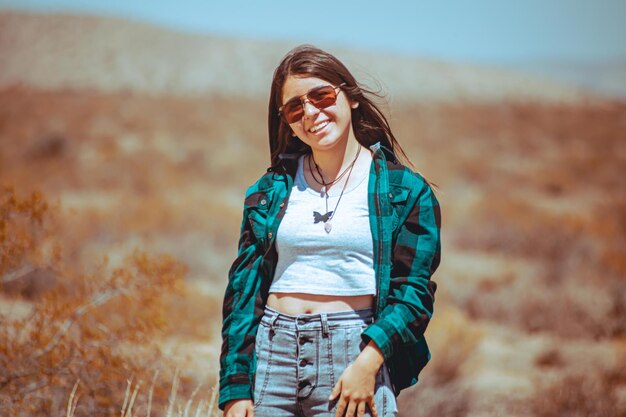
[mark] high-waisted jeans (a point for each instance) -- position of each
(300, 359)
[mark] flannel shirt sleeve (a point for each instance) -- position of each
(415, 257)
(238, 325)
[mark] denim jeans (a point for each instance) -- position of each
(300, 358)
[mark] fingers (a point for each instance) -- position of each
(360, 409)
(351, 409)
(341, 408)
(336, 390)
(372, 405)
(355, 406)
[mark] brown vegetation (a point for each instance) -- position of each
(533, 251)
(95, 330)
(583, 395)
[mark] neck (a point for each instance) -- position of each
(334, 161)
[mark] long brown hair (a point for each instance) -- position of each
(368, 122)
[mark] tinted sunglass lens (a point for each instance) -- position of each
(322, 97)
(293, 112)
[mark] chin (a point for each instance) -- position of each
(324, 145)
(328, 141)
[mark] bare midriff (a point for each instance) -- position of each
(295, 304)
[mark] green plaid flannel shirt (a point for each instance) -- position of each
(405, 221)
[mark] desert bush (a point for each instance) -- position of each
(580, 258)
(582, 395)
(516, 227)
(23, 225)
(440, 391)
(430, 399)
(453, 339)
(94, 330)
(530, 304)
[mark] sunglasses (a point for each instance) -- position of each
(320, 97)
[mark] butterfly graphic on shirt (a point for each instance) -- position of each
(317, 217)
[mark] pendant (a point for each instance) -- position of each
(323, 191)
(321, 218)
(328, 227)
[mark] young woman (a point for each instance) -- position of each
(330, 294)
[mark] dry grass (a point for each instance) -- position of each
(201, 407)
(454, 338)
(582, 395)
(91, 327)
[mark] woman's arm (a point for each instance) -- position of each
(238, 324)
(415, 257)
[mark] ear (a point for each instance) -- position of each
(354, 104)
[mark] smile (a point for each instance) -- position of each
(318, 126)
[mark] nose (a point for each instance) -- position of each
(309, 109)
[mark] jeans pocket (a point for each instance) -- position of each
(263, 350)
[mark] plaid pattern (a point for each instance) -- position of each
(405, 220)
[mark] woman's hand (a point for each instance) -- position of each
(356, 384)
(239, 408)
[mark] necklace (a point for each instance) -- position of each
(325, 185)
(326, 218)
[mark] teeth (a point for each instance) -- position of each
(318, 126)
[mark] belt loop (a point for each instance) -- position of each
(295, 322)
(272, 323)
(324, 319)
(274, 320)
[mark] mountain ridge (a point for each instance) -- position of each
(57, 51)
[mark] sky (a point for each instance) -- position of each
(479, 31)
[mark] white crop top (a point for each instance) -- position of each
(312, 261)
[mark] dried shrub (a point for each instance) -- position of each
(92, 331)
(582, 395)
(427, 399)
(22, 227)
(453, 339)
(580, 258)
(551, 358)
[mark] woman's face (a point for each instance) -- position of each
(321, 129)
